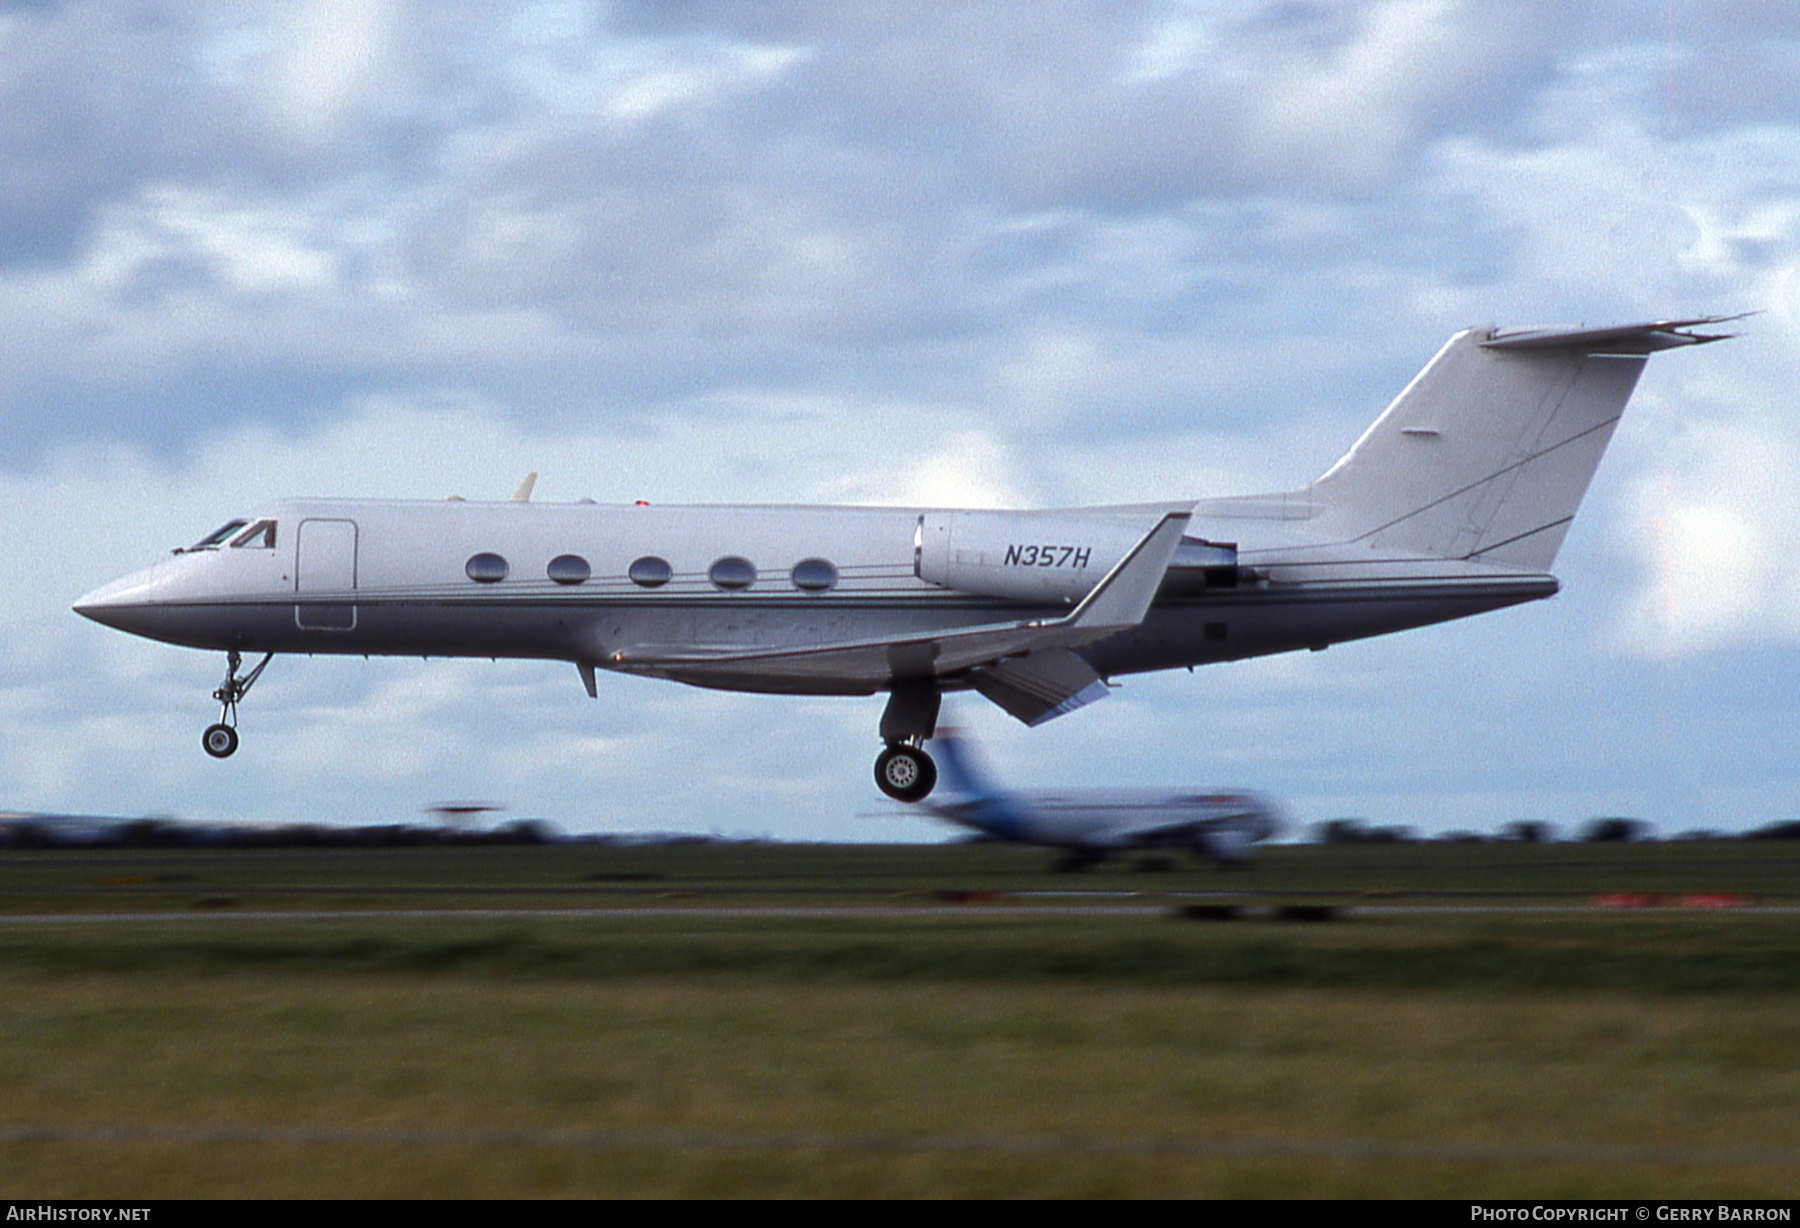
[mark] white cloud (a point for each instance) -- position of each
(1173, 45)
(944, 256)
(255, 249)
(1714, 530)
(963, 468)
(1729, 246)
(330, 56)
(722, 71)
(1353, 108)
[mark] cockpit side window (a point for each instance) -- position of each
(261, 535)
(212, 540)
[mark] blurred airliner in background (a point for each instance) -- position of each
(1091, 824)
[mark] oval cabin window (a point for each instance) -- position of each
(650, 572)
(486, 568)
(569, 569)
(815, 575)
(732, 573)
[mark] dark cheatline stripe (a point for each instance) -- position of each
(1321, 591)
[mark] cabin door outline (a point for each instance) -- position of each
(325, 564)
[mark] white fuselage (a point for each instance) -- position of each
(407, 578)
(1113, 819)
(1455, 501)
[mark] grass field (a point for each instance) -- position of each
(759, 1020)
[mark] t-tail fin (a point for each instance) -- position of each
(959, 773)
(1487, 453)
(973, 800)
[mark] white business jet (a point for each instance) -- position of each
(1090, 825)
(1453, 503)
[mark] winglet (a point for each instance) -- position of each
(523, 494)
(1124, 596)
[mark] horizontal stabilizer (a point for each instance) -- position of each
(1619, 339)
(1042, 686)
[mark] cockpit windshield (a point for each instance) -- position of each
(212, 540)
(261, 534)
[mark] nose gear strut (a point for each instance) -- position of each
(221, 740)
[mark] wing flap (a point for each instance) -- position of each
(1042, 686)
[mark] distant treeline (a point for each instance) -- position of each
(164, 833)
(24, 833)
(1361, 831)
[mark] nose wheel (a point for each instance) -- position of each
(221, 740)
(905, 773)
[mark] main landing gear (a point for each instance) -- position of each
(221, 740)
(904, 771)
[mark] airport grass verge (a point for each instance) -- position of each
(1618, 1054)
(1669, 953)
(755, 1062)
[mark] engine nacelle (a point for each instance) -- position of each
(1044, 558)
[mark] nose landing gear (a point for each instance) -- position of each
(221, 740)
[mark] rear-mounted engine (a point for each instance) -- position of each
(1050, 557)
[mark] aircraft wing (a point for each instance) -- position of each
(1030, 659)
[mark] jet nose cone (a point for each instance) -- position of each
(108, 605)
(128, 603)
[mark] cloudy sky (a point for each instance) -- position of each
(978, 255)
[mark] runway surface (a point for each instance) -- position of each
(849, 912)
(1226, 1148)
